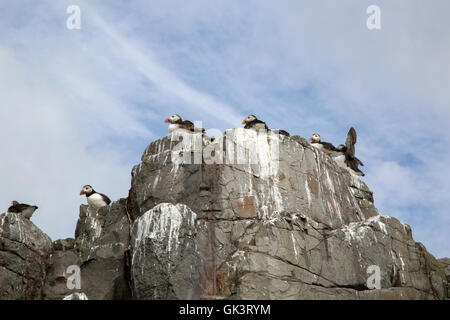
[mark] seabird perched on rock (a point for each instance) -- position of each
(175, 123)
(347, 159)
(25, 209)
(323, 146)
(95, 200)
(252, 122)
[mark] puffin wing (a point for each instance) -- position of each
(328, 146)
(350, 142)
(359, 161)
(188, 125)
(105, 198)
(352, 163)
(250, 125)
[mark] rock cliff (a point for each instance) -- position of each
(247, 216)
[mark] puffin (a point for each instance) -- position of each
(323, 146)
(25, 209)
(95, 199)
(175, 122)
(347, 159)
(252, 122)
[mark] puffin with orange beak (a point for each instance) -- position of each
(175, 123)
(251, 122)
(323, 146)
(95, 200)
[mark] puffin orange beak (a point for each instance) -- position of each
(243, 121)
(81, 192)
(310, 138)
(167, 120)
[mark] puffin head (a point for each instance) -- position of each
(14, 202)
(87, 190)
(173, 119)
(250, 118)
(315, 138)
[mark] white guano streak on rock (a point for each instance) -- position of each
(355, 204)
(21, 233)
(268, 156)
(2, 221)
(316, 156)
(263, 152)
(161, 227)
(402, 274)
(308, 193)
(330, 183)
(355, 231)
(333, 195)
(376, 219)
(240, 254)
(295, 248)
(94, 224)
(155, 182)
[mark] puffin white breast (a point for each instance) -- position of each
(96, 200)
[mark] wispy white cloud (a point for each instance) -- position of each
(167, 80)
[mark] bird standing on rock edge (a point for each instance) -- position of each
(252, 122)
(25, 209)
(323, 146)
(95, 200)
(175, 122)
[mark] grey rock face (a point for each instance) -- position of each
(445, 264)
(165, 251)
(101, 243)
(59, 277)
(251, 217)
(24, 252)
(59, 272)
(274, 175)
(290, 225)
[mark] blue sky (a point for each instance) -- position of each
(80, 106)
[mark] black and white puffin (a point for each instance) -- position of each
(95, 200)
(175, 123)
(347, 159)
(252, 122)
(323, 146)
(25, 209)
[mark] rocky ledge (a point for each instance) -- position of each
(248, 217)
